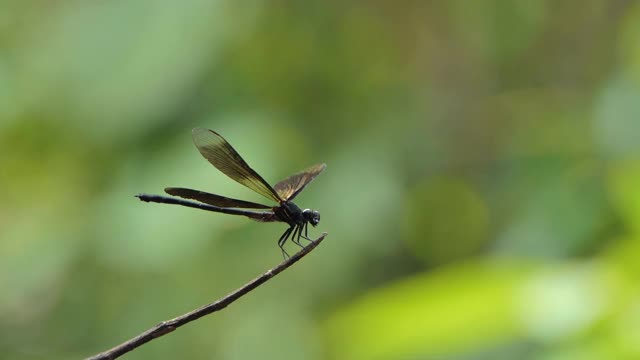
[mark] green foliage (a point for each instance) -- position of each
(481, 195)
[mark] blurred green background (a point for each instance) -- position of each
(482, 195)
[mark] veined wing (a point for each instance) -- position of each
(290, 187)
(213, 199)
(224, 157)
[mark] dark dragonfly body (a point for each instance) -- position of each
(220, 154)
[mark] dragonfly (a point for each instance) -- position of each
(215, 149)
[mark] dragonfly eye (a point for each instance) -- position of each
(312, 216)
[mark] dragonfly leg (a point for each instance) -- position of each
(283, 239)
(305, 236)
(295, 237)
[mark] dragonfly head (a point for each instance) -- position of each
(311, 216)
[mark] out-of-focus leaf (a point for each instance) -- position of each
(470, 305)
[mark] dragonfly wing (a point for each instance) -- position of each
(213, 199)
(225, 158)
(290, 187)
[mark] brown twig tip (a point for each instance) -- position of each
(168, 326)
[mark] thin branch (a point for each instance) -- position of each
(168, 326)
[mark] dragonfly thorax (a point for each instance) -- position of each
(292, 214)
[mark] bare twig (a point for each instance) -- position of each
(168, 326)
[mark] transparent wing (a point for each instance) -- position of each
(224, 157)
(290, 187)
(213, 199)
